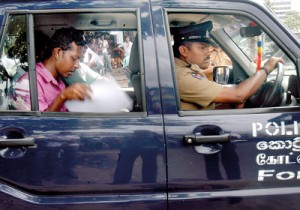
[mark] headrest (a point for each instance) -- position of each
(134, 61)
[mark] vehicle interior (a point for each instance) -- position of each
(238, 37)
(113, 26)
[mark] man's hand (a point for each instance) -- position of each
(270, 65)
(77, 91)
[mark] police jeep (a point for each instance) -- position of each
(156, 155)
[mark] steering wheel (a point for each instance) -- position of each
(267, 101)
(270, 94)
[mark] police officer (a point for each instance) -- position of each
(192, 55)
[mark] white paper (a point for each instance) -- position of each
(106, 97)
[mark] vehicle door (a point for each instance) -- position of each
(105, 156)
(231, 158)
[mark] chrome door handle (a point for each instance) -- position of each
(27, 141)
(197, 138)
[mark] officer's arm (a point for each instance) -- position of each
(241, 92)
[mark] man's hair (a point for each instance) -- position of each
(176, 46)
(62, 38)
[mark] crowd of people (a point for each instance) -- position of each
(103, 56)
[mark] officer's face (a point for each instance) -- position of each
(198, 53)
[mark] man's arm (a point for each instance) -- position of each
(238, 94)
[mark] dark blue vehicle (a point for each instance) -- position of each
(156, 156)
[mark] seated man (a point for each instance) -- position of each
(192, 56)
(61, 60)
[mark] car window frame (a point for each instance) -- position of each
(32, 62)
(252, 16)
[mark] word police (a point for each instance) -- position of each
(273, 129)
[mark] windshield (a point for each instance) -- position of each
(257, 48)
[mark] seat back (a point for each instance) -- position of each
(135, 75)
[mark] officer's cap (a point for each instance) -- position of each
(194, 33)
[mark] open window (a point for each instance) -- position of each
(245, 46)
(13, 64)
(111, 52)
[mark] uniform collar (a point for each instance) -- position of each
(182, 63)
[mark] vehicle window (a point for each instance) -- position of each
(13, 64)
(242, 46)
(250, 46)
(109, 62)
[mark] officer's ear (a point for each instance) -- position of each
(183, 50)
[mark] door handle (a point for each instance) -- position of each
(197, 138)
(27, 141)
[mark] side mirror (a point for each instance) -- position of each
(221, 74)
(250, 31)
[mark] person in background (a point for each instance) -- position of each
(116, 56)
(125, 47)
(92, 60)
(103, 49)
(94, 46)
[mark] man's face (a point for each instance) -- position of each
(69, 60)
(198, 53)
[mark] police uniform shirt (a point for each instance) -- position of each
(195, 90)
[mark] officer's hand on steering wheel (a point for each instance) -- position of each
(270, 65)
